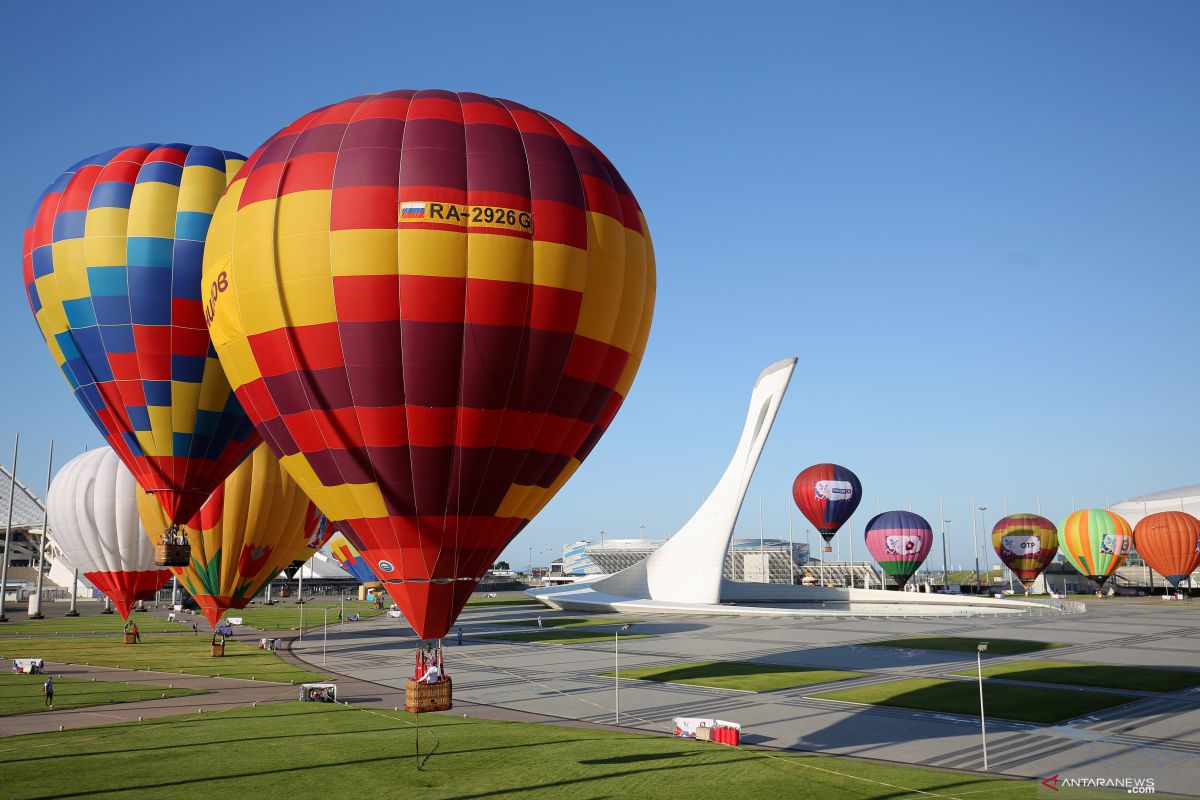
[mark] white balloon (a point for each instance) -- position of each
(92, 506)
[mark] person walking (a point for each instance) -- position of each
(195, 630)
(539, 620)
(460, 635)
(137, 635)
(48, 691)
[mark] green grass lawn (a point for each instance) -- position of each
(748, 676)
(272, 751)
(90, 623)
(285, 616)
(482, 601)
(163, 653)
(569, 622)
(1020, 703)
(577, 636)
(22, 694)
(964, 644)
(1143, 679)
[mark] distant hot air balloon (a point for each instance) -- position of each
(899, 541)
(1026, 543)
(92, 506)
(257, 521)
(1169, 542)
(350, 559)
(827, 494)
(1095, 541)
(431, 305)
(112, 260)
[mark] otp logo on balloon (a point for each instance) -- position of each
(385, 566)
(902, 544)
(833, 490)
(1024, 546)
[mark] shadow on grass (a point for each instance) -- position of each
(637, 758)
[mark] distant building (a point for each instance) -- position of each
(753, 560)
(575, 560)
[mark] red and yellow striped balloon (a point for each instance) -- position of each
(431, 305)
(1096, 542)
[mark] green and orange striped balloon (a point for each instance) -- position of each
(1095, 541)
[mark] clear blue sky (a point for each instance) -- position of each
(977, 224)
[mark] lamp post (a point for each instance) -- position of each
(983, 524)
(945, 555)
(12, 491)
(617, 671)
(324, 636)
(41, 571)
(975, 540)
(979, 651)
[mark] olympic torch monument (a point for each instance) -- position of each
(684, 576)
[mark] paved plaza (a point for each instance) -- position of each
(1157, 735)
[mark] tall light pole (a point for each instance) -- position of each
(945, 556)
(12, 491)
(983, 524)
(37, 609)
(979, 651)
(975, 540)
(617, 671)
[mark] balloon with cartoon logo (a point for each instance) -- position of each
(899, 541)
(827, 495)
(1169, 541)
(254, 524)
(1095, 541)
(1026, 543)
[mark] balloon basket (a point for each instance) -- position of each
(420, 697)
(216, 650)
(130, 638)
(172, 555)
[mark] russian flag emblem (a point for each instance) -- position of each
(412, 210)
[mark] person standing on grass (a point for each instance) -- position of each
(460, 635)
(48, 691)
(137, 635)
(539, 620)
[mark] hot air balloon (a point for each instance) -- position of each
(431, 305)
(899, 541)
(827, 494)
(1026, 543)
(1169, 542)
(92, 506)
(257, 521)
(1095, 541)
(350, 559)
(112, 260)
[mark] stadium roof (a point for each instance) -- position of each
(27, 508)
(1184, 498)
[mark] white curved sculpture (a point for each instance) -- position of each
(684, 575)
(687, 568)
(92, 505)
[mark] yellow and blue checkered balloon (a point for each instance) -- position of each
(112, 260)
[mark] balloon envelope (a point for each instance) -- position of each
(432, 305)
(1026, 543)
(1169, 542)
(257, 521)
(827, 495)
(1095, 541)
(112, 260)
(350, 559)
(92, 508)
(899, 541)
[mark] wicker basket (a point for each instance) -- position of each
(130, 638)
(703, 734)
(172, 555)
(420, 697)
(217, 650)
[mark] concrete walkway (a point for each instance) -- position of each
(222, 693)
